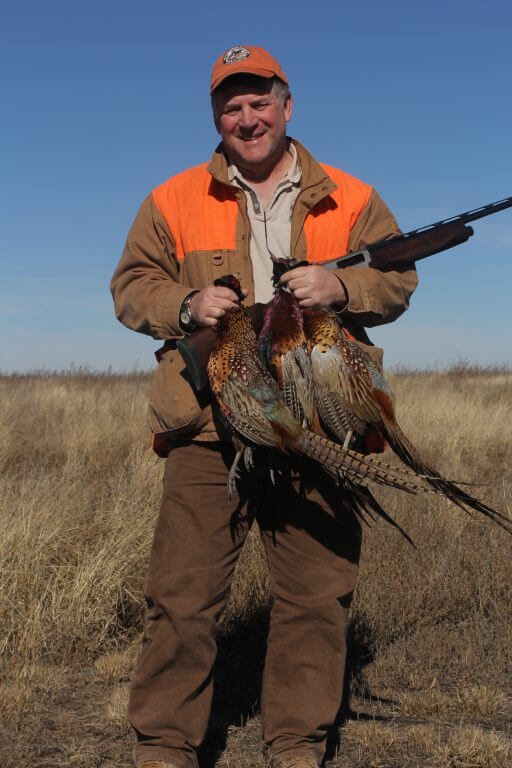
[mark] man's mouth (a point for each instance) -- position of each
(251, 139)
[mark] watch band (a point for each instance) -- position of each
(186, 321)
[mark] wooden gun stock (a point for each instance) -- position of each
(404, 251)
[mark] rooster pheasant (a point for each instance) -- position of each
(283, 351)
(353, 397)
(251, 407)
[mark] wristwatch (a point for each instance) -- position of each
(186, 322)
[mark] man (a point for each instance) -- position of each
(261, 196)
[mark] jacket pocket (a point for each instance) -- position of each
(174, 407)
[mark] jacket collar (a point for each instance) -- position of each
(313, 174)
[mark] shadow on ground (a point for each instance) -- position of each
(237, 682)
(238, 676)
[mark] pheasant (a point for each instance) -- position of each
(352, 396)
(251, 407)
(283, 351)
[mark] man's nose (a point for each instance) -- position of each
(248, 119)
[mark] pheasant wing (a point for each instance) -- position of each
(296, 379)
(342, 376)
(244, 413)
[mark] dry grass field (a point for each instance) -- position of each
(430, 633)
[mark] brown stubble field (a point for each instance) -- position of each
(430, 634)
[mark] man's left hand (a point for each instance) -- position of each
(315, 286)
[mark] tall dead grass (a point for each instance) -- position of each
(79, 492)
(78, 485)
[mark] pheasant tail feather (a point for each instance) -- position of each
(354, 465)
(410, 455)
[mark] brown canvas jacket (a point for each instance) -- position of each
(150, 284)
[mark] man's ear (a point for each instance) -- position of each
(288, 108)
(216, 122)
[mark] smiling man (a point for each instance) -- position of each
(262, 196)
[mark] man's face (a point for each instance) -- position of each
(252, 123)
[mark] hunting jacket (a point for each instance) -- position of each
(195, 228)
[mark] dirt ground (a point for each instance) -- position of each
(80, 720)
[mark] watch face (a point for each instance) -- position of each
(185, 317)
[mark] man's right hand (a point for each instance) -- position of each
(211, 303)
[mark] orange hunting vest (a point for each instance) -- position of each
(202, 213)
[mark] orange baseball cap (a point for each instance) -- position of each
(250, 59)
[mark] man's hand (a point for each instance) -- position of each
(315, 286)
(211, 303)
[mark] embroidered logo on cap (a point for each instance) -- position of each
(237, 53)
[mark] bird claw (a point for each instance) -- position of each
(249, 458)
(234, 474)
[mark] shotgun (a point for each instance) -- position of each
(397, 252)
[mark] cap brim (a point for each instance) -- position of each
(243, 68)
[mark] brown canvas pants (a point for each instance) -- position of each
(312, 545)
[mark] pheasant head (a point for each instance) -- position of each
(281, 266)
(231, 282)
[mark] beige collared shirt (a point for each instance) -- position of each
(270, 226)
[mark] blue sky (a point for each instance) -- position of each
(101, 101)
